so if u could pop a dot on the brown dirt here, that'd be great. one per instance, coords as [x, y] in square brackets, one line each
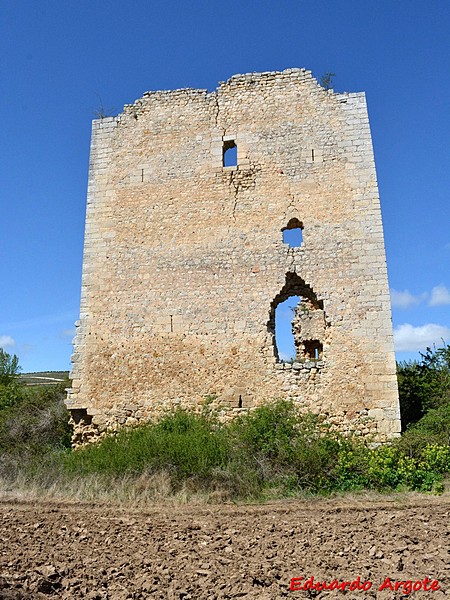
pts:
[62, 550]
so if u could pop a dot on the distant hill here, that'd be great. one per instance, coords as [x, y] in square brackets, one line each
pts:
[44, 377]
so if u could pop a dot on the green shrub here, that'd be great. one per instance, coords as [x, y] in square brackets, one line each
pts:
[33, 432]
[274, 451]
[268, 432]
[433, 428]
[436, 458]
[37, 421]
[424, 384]
[184, 444]
[437, 423]
[283, 448]
[389, 468]
[10, 394]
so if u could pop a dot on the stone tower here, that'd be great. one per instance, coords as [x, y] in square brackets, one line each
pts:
[185, 263]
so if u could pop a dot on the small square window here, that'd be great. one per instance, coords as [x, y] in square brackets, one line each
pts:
[313, 349]
[293, 233]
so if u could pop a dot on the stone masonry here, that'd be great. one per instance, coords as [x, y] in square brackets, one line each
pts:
[185, 263]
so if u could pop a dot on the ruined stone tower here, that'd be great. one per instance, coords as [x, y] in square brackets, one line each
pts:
[185, 260]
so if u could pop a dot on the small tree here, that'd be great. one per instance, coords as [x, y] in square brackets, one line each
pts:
[101, 112]
[436, 366]
[424, 384]
[412, 392]
[9, 367]
[9, 373]
[326, 81]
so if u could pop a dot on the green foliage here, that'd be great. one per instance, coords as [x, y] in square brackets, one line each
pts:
[412, 392]
[36, 422]
[10, 389]
[436, 422]
[9, 367]
[389, 468]
[433, 428]
[424, 384]
[9, 394]
[436, 367]
[184, 444]
[268, 431]
[284, 448]
[272, 451]
[419, 459]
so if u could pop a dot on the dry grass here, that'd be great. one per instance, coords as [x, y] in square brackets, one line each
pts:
[126, 490]
[150, 491]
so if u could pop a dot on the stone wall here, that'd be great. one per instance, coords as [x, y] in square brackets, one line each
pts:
[184, 260]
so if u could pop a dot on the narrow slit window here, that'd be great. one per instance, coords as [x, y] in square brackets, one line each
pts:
[229, 154]
[284, 338]
[293, 233]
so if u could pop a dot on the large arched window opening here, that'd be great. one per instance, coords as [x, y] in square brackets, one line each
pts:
[296, 322]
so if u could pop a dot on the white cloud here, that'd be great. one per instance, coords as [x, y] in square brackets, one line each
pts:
[408, 338]
[6, 341]
[404, 299]
[440, 295]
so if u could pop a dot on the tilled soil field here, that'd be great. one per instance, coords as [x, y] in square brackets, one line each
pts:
[61, 550]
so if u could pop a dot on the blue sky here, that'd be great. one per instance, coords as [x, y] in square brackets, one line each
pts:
[59, 58]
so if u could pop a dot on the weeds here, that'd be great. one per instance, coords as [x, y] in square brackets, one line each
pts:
[182, 444]
[273, 452]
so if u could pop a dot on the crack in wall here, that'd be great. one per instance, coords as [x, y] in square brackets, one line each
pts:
[241, 180]
[290, 206]
[235, 186]
[215, 98]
